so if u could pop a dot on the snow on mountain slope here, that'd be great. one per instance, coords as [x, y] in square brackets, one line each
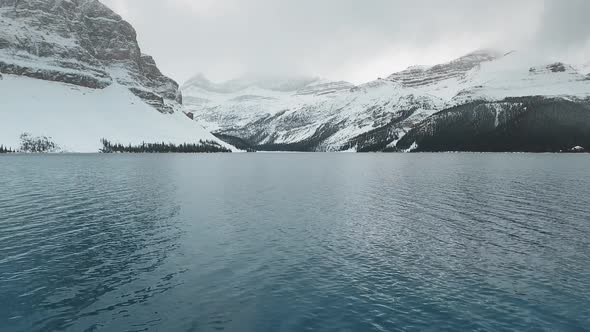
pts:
[383, 111]
[239, 102]
[80, 42]
[516, 75]
[73, 69]
[77, 118]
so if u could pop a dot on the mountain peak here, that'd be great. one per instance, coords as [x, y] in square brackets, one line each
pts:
[456, 69]
[485, 52]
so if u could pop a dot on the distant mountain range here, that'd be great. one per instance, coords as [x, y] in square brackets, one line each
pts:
[73, 70]
[483, 101]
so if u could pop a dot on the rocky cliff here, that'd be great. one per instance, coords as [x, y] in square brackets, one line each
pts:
[80, 42]
[72, 70]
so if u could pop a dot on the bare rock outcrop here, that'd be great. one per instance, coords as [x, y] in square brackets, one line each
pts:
[80, 42]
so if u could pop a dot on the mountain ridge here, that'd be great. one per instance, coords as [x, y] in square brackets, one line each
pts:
[85, 50]
[378, 114]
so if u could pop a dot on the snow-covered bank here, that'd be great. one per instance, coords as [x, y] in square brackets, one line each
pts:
[77, 117]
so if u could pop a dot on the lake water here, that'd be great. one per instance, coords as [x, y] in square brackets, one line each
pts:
[295, 242]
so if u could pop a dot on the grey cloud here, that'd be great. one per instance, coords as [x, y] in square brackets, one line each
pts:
[341, 39]
[565, 24]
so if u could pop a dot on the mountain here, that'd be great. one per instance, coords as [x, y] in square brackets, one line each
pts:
[73, 70]
[510, 95]
[242, 104]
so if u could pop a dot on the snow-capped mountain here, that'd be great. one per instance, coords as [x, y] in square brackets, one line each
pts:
[376, 116]
[73, 69]
[238, 103]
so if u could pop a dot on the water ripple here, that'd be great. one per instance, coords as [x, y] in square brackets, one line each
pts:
[294, 242]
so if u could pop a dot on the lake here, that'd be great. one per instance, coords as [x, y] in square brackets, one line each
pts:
[295, 242]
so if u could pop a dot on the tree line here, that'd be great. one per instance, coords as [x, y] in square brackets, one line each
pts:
[32, 144]
[201, 147]
[37, 144]
[4, 149]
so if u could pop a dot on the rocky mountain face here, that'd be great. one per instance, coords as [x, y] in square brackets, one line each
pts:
[80, 42]
[506, 95]
[457, 69]
[72, 71]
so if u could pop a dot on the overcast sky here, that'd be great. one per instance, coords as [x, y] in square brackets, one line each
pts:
[354, 40]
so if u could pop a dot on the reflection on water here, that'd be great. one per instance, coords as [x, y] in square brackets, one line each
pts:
[77, 229]
[292, 242]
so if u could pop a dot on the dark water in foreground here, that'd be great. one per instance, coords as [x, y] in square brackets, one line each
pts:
[295, 242]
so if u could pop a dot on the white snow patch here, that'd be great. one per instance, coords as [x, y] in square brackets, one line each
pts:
[77, 118]
[412, 147]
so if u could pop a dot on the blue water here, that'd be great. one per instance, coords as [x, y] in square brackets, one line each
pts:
[295, 242]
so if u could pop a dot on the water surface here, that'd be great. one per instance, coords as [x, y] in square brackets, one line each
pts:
[295, 242]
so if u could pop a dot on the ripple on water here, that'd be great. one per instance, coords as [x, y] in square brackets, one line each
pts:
[294, 242]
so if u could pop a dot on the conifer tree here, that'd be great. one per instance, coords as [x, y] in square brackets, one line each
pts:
[201, 147]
